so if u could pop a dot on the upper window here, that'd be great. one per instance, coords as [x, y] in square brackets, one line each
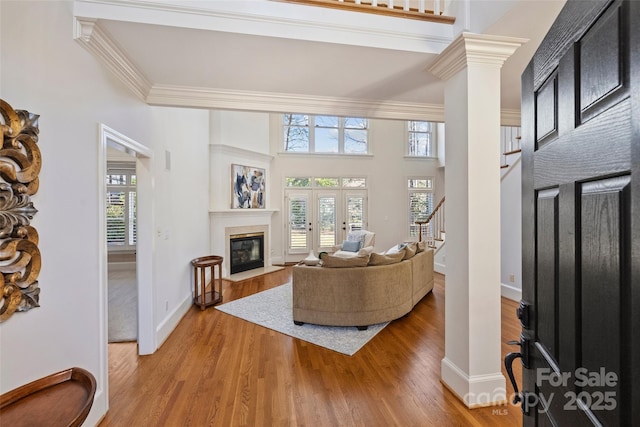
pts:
[325, 134]
[420, 139]
[324, 182]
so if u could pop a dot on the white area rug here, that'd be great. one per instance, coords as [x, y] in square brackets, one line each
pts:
[272, 309]
[123, 304]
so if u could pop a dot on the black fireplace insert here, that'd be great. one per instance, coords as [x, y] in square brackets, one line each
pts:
[247, 251]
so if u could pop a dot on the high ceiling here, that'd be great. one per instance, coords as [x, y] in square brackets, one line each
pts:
[176, 56]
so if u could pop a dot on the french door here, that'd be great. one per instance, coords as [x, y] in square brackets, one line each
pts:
[319, 219]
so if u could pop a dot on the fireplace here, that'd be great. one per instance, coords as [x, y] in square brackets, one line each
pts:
[246, 251]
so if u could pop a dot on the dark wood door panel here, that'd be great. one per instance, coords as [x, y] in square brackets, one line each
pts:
[581, 218]
[598, 148]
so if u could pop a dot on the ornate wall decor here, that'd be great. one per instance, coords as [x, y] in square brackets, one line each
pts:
[20, 163]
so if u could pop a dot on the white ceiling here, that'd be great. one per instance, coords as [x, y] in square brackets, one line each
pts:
[201, 58]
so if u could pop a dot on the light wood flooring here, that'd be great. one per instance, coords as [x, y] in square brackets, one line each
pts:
[219, 370]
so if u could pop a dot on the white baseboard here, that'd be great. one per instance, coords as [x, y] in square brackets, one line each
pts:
[475, 391]
[510, 292]
[98, 408]
[277, 260]
[439, 268]
[171, 321]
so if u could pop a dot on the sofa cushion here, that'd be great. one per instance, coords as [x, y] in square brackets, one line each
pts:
[422, 245]
[332, 261]
[410, 250]
[385, 259]
[351, 246]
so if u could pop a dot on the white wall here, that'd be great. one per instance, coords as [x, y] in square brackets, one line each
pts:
[387, 171]
[45, 71]
[511, 233]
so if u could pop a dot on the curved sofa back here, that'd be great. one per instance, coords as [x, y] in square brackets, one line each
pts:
[360, 296]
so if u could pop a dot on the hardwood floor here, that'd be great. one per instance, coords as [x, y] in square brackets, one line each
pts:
[218, 370]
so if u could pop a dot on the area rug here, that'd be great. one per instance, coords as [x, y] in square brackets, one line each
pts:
[272, 309]
[123, 305]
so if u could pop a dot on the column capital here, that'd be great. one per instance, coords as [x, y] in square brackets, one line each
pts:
[471, 48]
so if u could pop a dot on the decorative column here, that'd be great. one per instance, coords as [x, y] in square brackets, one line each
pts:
[471, 367]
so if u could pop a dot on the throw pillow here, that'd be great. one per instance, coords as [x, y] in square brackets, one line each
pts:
[410, 250]
[351, 246]
[331, 261]
[380, 259]
[422, 245]
[356, 236]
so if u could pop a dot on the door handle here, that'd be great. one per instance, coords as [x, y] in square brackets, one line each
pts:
[508, 364]
[527, 399]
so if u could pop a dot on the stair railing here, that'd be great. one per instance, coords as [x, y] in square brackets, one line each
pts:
[434, 225]
[431, 10]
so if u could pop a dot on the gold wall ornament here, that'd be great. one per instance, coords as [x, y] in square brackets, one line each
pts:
[20, 163]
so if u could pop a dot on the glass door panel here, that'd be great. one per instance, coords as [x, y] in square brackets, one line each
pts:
[327, 222]
[298, 227]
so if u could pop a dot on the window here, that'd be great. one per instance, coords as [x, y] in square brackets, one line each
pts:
[325, 182]
[420, 202]
[121, 205]
[304, 133]
[420, 139]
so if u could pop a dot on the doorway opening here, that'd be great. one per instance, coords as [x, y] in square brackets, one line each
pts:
[141, 227]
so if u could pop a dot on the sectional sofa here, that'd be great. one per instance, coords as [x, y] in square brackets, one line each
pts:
[361, 296]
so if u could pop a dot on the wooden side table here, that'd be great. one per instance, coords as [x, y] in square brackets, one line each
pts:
[213, 296]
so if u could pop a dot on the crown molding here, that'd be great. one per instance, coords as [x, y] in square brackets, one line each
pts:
[195, 97]
[267, 18]
[92, 37]
[470, 48]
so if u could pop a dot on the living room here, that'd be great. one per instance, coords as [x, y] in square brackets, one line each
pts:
[46, 71]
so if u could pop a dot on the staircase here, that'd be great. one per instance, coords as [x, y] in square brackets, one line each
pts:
[510, 147]
[432, 232]
[432, 229]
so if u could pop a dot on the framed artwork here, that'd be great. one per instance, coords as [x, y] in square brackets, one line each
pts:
[247, 187]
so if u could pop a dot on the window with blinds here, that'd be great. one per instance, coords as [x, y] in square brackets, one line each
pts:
[121, 206]
[420, 202]
[298, 238]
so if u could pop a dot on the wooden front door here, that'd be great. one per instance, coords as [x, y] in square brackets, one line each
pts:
[580, 315]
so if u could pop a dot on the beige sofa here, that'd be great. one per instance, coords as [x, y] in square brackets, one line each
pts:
[360, 296]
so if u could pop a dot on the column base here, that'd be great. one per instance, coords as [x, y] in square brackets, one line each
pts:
[475, 391]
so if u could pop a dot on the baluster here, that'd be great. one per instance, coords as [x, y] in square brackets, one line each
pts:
[358, 1]
[406, 5]
[436, 7]
[374, 3]
[390, 4]
[421, 6]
